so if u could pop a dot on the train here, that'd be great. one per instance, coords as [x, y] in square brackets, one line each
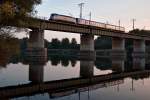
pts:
[70, 19]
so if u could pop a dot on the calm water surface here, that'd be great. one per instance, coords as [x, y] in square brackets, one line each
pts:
[17, 73]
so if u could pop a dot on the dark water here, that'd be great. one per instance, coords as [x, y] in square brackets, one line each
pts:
[73, 79]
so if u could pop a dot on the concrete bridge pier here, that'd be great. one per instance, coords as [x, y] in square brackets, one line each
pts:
[86, 68]
[87, 50]
[118, 47]
[139, 48]
[36, 44]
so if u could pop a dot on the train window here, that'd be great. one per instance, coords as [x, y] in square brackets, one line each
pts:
[82, 21]
[98, 24]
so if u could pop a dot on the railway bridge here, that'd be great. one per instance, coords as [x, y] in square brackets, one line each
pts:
[36, 37]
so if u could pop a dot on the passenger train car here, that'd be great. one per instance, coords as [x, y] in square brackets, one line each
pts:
[63, 18]
[70, 19]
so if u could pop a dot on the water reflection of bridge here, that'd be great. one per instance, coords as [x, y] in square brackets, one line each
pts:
[86, 81]
[100, 63]
[68, 86]
[114, 64]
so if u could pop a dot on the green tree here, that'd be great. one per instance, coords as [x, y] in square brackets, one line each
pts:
[73, 43]
[55, 44]
[140, 32]
[65, 62]
[15, 12]
[103, 42]
[65, 43]
[12, 11]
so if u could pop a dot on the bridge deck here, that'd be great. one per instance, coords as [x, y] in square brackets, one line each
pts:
[35, 23]
[77, 28]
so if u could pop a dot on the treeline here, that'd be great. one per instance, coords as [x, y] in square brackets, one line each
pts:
[63, 44]
[140, 32]
[102, 42]
[55, 43]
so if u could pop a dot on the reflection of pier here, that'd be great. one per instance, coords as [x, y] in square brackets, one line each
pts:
[84, 88]
[139, 63]
[36, 66]
[36, 73]
[53, 86]
[118, 64]
[86, 69]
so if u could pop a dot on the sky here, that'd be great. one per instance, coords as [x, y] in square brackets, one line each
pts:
[110, 11]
